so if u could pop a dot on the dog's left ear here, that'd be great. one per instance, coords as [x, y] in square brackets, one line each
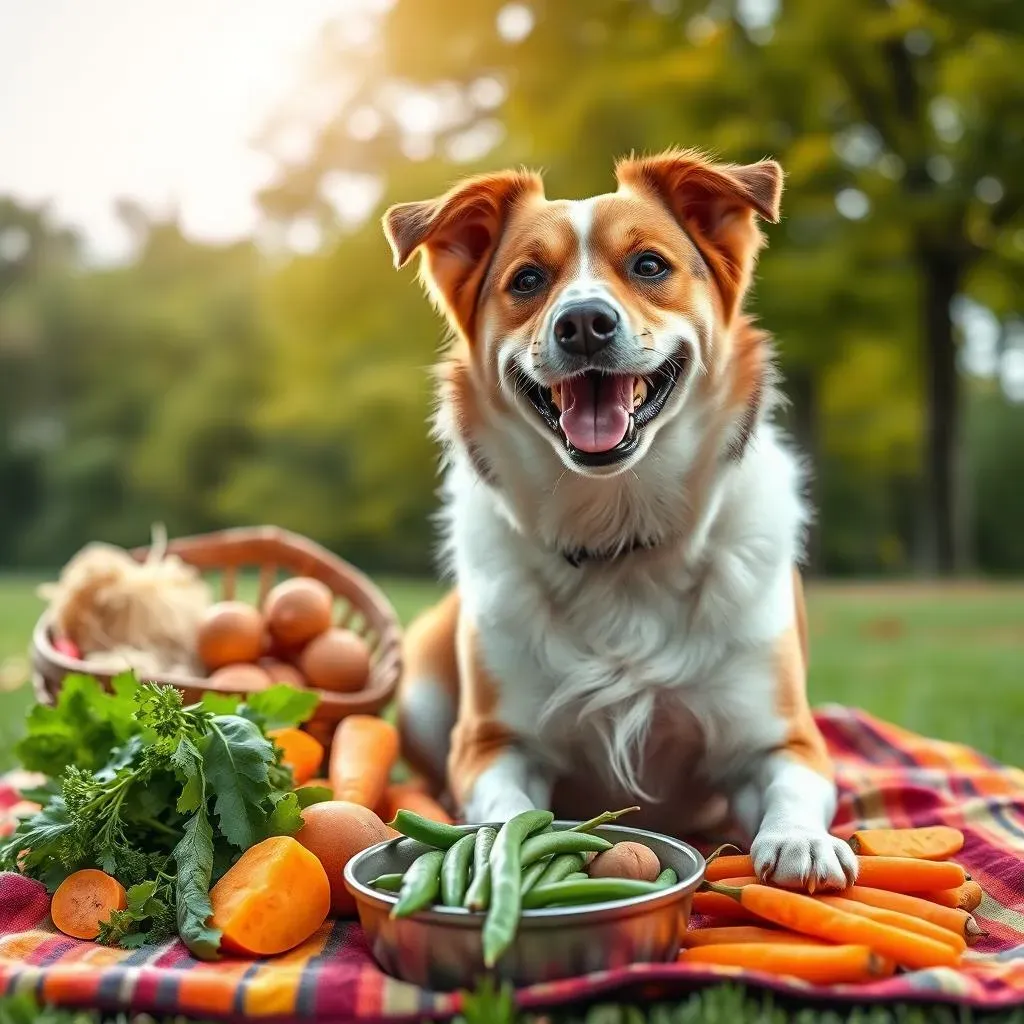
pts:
[457, 234]
[717, 204]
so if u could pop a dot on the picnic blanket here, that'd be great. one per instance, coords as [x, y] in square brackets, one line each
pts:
[887, 777]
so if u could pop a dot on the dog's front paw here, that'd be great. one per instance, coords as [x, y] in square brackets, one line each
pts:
[803, 858]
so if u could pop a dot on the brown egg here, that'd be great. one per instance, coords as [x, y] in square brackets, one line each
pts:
[241, 678]
[282, 672]
[626, 860]
[336, 660]
[231, 632]
[298, 610]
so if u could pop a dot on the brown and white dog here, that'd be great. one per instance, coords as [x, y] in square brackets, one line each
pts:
[621, 516]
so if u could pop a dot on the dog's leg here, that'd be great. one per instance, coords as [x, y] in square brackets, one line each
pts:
[790, 803]
[490, 772]
[429, 692]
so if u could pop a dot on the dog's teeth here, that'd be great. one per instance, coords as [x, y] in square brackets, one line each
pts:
[556, 396]
[639, 392]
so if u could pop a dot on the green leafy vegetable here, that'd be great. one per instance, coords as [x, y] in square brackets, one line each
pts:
[161, 796]
[307, 795]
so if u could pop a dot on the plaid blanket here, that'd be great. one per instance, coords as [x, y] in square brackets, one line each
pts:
[888, 777]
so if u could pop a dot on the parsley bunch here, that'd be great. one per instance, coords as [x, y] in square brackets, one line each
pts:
[161, 796]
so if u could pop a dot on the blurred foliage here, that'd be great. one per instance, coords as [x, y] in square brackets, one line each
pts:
[209, 386]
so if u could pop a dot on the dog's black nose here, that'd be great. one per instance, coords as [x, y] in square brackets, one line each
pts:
[586, 327]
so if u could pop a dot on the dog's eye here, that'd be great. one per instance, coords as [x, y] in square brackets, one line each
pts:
[648, 265]
[527, 281]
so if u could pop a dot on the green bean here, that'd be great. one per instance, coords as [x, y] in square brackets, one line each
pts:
[575, 876]
[506, 877]
[560, 867]
[532, 875]
[455, 871]
[666, 878]
[389, 883]
[432, 833]
[479, 894]
[562, 842]
[589, 890]
[420, 884]
[604, 818]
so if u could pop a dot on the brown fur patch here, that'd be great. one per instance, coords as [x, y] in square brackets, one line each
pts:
[478, 738]
[717, 204]
[804, 741]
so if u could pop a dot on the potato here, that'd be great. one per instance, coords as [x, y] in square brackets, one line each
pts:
[335, 831]
[626, 860]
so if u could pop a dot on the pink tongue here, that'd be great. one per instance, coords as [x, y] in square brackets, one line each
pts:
[596, 410]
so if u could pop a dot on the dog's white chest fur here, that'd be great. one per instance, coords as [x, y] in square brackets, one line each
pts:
[594, 658]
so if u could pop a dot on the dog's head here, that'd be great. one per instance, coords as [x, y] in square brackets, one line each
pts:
[585, 325]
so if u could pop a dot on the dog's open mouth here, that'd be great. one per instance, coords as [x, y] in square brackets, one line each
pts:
[599, 416]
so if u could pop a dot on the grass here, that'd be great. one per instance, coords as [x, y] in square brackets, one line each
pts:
[944, 661]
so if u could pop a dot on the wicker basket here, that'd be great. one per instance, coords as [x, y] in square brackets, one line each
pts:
[275, 554]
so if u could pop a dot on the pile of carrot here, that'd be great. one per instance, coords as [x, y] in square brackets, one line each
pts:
[364, 753]
[911, 909]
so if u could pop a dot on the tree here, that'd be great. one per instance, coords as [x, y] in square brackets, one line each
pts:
[900, 122]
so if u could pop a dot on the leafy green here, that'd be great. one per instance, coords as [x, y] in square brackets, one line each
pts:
[236, 757]
[161, 796]
[194, 858]
[307, 795]
[279, 707]
[81, 728]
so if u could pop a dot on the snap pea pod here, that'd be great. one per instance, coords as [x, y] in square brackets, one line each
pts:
[455, 870]
[575, 876]
[389, 883]
[604, 818]
[479, 894]
[420, 884]
[532, 874]
[433, 833]
[666, 878]
[561, 867]
[550, 843]
[506, 877]
[588, 890]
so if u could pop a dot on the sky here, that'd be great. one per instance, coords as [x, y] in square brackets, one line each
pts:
[157, 100]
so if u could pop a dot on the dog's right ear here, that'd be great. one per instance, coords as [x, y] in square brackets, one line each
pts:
[457, 234]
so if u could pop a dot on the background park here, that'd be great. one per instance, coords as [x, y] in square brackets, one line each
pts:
[200, 324]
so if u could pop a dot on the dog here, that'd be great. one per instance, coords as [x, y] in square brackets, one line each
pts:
[622, 517]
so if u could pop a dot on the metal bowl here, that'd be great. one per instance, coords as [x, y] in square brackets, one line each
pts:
[441, 949]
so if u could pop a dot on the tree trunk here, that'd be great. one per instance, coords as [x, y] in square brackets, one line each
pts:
[941, 276]
[802, 389]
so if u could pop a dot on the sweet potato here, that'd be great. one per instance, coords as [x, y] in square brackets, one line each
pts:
[271, 899]
[302, 753]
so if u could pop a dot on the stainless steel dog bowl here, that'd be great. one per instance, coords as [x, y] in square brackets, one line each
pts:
[440, 948]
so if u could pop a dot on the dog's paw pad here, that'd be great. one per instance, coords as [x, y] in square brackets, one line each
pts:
[803, 859]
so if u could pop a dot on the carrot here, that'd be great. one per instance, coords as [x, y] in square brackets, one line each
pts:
[971, 895]
[713, 904]
[409, 797]
[809, 916]
[939, 842]
[271, 899]
[958, 921]
[902, 874]
[820, 965]
[734, 934]
[720, 868]
[898, 920]
[84, 900]
[364, 752]
[301, 752]
[740, 880]
[965, 897]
